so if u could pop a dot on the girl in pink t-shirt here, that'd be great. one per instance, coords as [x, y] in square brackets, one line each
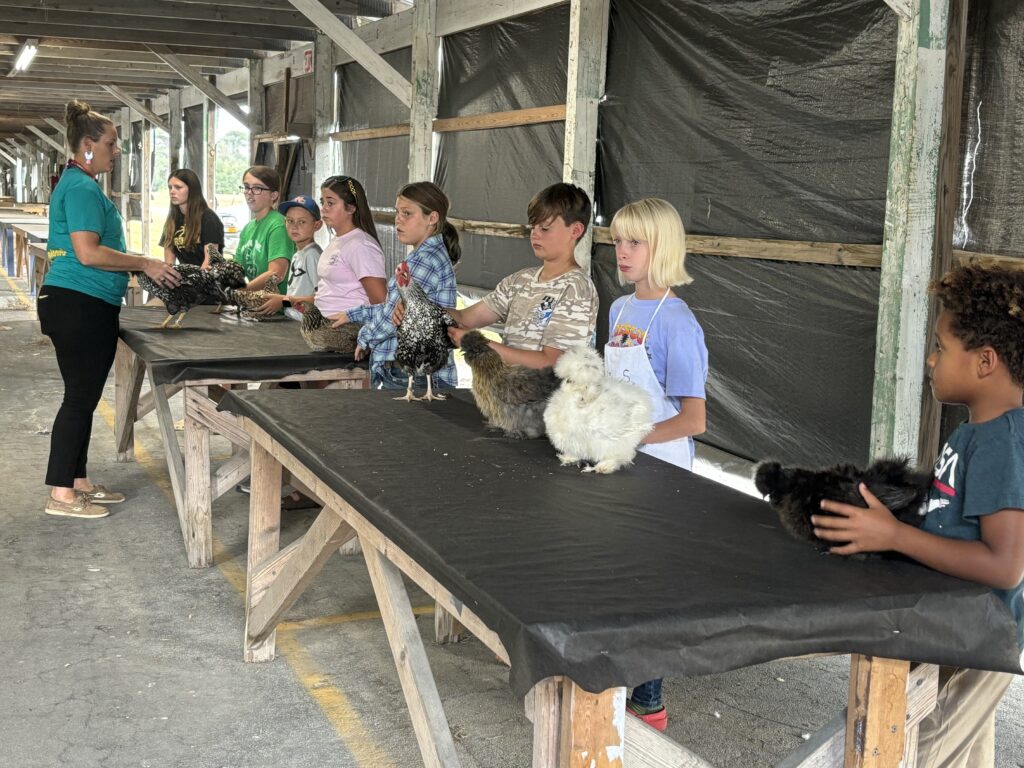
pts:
[351, 267]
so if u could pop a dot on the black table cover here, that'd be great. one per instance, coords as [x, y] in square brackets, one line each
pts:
[614, 580]
[209, 346]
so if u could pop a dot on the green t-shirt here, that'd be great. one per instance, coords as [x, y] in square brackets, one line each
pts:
[260, 243]
[79, 205]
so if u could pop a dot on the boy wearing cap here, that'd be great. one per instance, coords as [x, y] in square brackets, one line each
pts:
[302, 220]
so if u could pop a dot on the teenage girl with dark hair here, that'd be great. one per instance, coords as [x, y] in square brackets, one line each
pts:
[79, 303]
[191, 226]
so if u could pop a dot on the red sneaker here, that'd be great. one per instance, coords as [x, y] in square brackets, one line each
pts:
[657, 720]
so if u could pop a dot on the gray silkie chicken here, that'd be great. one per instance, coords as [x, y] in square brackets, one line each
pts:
[423, 343]
[511, 397]
[796, 493]
[321, 337]
[198, 286]
[247, 302]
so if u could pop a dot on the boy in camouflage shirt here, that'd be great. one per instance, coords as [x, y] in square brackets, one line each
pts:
[548, 309]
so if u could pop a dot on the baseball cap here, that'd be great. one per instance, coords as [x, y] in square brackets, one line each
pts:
[302, 201]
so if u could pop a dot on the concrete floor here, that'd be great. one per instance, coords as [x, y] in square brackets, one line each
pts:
[118, 655]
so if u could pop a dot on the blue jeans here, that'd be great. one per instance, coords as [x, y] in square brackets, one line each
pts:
[648, 695]
[393, 377]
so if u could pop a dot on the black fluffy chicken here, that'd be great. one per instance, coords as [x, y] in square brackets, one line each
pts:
[511, 397]
[197, 286]
[321, 337]
[423, 343]
[796, 493]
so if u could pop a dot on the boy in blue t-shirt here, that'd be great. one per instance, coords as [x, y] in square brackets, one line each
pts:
[974, 526]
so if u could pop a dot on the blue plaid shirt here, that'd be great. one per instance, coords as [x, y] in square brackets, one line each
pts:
[431, 268]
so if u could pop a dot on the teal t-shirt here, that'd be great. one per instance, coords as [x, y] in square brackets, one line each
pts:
[980, 471]
[79, 205]
[261, 242]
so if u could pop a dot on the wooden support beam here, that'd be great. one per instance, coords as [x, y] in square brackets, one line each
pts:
[423, 109]
[910, 215]
[174, 119]
[128, 375]
[324, 111]
[59, 127]
[147, 187]
[210, 143]
[946, 205]
[125, 131]
[402, 129]
[257, 104]
[422, 699]
[363, 54]
[264, 535]
[9, 159]
[129, 101]
[593, 728]
[902, 8]
[877, 712]
[588, 51]
[212, 92]
[47, 138]
[530, 116]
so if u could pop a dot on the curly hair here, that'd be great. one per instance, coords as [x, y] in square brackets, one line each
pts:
[987, 307]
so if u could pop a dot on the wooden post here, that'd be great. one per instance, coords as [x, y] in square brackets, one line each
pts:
[423, 109]
[324, 111]
[593, 728]
[147, 183]
[545, 709]
[122, 178]
[588, 52]
[264, 534]
[257, 105]
[196, 516]
[174, 123]
[910, 215]
[210, 142]
[946, 207]
[877, 712]
[128, 374]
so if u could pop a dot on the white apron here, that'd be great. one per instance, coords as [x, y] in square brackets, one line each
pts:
[632, 364]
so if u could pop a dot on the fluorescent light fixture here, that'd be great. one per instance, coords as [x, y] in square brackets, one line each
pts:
[244, 108]
[28, 51]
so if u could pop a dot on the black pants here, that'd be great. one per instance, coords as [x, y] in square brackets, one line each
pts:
[83, 330]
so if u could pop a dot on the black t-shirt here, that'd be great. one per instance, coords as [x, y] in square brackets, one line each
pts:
[212, 231]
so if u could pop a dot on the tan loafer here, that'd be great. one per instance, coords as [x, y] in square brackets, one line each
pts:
[80, 507]
[102, 495]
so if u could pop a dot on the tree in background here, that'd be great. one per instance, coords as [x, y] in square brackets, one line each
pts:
[232, 160]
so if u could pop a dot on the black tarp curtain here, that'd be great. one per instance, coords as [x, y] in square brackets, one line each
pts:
[755, 118]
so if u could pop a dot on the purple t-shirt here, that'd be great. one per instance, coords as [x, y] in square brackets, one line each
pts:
[675, 343]
[345, 261]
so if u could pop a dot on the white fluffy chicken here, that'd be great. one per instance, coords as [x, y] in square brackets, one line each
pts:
[593, 417]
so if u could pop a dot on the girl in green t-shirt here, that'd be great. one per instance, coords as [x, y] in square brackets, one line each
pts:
[264, 248]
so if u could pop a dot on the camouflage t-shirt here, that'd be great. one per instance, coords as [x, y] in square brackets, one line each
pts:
[559, 313]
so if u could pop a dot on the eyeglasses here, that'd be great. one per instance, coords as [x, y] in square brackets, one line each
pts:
[255, 190]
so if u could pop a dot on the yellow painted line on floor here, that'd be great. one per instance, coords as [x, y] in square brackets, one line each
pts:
[345, 618]
[335, 705]
[22, 296]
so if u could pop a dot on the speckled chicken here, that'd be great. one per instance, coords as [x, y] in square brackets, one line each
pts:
[198, 286]
[247, 302]
[796, 493]
[511, 397]
[423, 343]
[321, 337]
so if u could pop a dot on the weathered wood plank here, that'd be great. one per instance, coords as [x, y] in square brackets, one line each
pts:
[128, 374]
[877, 712]
[264, 537]
[172, 451]
[289, 578]
[593, 728]
[423, 107]
[421, 697]
[197, 515]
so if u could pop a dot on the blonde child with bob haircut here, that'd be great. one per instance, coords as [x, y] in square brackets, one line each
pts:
[656, 343]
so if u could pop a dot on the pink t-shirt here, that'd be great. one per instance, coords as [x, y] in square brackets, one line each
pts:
[345, 261]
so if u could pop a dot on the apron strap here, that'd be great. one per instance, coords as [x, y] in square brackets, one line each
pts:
[649, 324]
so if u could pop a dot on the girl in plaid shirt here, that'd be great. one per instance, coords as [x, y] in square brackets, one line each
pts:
[421, 221]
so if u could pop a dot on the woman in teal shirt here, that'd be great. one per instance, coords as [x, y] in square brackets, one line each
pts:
[264, 248]
[79, 303]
